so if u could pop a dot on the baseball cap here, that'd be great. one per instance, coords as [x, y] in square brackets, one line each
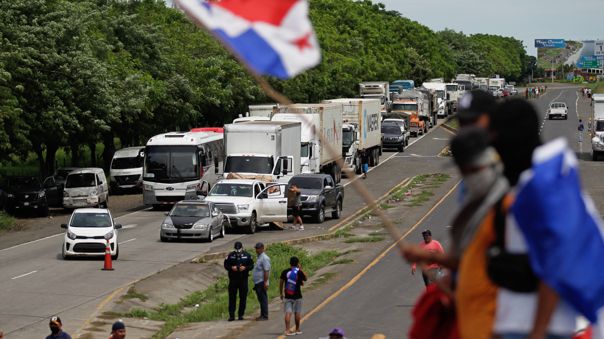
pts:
[473, 104]
[238, 245]
[55, 321]
[427, 232]
[259, 245]
[118, 325]
[337, 331]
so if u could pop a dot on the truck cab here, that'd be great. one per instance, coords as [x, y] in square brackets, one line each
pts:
[597, 126]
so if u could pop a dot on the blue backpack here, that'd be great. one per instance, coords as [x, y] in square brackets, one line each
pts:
[292, 278]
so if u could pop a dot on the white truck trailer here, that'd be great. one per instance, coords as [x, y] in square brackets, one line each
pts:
[440, 91]
[263, 150]
[361, 131]
[376, 90]
[597, 126]
[324, 118]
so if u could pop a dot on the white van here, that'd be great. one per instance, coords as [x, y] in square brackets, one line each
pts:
[86, 187]
[126, 171]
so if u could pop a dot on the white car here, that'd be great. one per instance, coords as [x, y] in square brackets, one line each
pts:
[87, 233]
[557, 110]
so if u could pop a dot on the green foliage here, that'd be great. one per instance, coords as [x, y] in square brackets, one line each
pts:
[77, 73]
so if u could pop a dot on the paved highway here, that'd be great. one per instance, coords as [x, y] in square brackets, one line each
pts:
[36, 283]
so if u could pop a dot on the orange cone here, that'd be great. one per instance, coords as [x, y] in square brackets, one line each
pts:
[108, 265]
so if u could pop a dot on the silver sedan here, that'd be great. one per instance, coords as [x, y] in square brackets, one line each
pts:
[193, 219]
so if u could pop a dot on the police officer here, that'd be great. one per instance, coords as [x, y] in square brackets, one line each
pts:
[238, 263]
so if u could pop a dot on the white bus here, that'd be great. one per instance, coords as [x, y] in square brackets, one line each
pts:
[178, 164]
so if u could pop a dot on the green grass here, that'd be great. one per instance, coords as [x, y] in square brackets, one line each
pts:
[343, 232]
[385, 206]
[364, 239]
[453, 123]
[7, 222]
[214, 300]
[322, 279]
[419, 199]
[134, 294]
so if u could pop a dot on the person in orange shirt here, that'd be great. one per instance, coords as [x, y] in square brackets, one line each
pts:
[432, 269]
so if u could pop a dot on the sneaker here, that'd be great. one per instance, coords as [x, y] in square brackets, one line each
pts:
[240, 318]
[289, 334]
[298, 332]
[261, 318]
[301, 228]
[231, 318]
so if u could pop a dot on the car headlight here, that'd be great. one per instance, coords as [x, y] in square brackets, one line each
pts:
[147, 187]
[42, 194]
[200, 226]
[95, 192]
[191, 187]
[243, 207]
[167, 224]
[109, 235]
[10, 195]
[71, 235]
[312, 198]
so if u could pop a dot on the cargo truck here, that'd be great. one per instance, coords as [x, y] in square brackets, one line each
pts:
[376, 90]
[361, 131]
[597, 126]
[482, 83]
[264, 150]
[440, 91]
[324, 118]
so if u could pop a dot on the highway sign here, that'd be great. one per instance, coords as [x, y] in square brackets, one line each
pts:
[550, 43]
[599, 48]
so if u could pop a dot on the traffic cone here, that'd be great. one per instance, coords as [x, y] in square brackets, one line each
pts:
[108, 265]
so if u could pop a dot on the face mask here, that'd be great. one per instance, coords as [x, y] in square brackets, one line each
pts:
[478, 184]
[54, 330]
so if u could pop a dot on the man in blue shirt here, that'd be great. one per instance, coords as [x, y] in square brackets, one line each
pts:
[260, 277]
[56, 329]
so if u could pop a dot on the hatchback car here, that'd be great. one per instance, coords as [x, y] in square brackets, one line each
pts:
[87, 233]
[193, 219]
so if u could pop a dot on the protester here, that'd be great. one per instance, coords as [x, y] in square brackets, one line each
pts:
[118, 330]
[364, 163]
[524, 314]
[260, 276]
[472, 233]
[238, 263]
[290, 291]
[580, 129]
[336, 333]
[474, 109]
[56, 329]
[432, 270]
[294, 202]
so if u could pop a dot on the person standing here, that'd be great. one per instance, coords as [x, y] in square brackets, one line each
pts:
[118, 330]
[290, 291]
[580, 129]
[238, 263]
[432, 269]
[294, 201]
[364, 163]
[260, 276]
[56, 329]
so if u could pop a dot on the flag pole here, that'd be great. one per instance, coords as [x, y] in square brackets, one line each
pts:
[283, 100]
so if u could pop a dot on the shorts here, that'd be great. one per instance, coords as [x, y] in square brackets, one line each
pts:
[365, 168]
[292, 305]
[295, 210]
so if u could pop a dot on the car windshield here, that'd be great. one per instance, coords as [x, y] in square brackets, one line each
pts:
[61, 174]
[404, 107]
[80, 180]
[190, 210]
[599, 126]
[452, 88]
[123, 163]
[558, 105]
[232, 190]
[391, 129]
[347, 138]
[246, 164]
[91, 220]
[25, 182]
[307, 183]
[171, 163]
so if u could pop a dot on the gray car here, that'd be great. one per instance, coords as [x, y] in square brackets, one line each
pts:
[193, 219]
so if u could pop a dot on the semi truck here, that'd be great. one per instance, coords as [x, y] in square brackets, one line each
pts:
[264, 150]
[361, 131]
[453, 95]
[440, 91]
[376, 90]
[482, 83]
[597, 126]
[325, 118]
[412, 105]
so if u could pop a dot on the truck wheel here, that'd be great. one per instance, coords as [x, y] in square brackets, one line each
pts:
[401, 148]
[163, 239]
[251, 229]
[357, 167]
[117, 253]
[320, 216]
[337, 213]
[594, 156]
[377, 157]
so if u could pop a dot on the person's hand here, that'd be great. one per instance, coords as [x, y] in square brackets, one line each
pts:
[234, 268]
[412, 270]
[242, 268]
[266, 285]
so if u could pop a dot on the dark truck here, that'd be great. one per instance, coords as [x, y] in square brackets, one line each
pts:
[319, 193]
[29, 194]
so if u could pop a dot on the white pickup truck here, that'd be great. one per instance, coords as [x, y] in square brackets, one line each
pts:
[250, 203]
[557, 110]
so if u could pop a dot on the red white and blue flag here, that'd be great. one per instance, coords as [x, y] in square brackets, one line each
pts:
[273, 37]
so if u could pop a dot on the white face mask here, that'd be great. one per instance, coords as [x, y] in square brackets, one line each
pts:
[478, 184]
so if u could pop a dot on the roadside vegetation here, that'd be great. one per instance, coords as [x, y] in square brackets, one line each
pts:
[597, 87]
[79, 79]
[7, 222]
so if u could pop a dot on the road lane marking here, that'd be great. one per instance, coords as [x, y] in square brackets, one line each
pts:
[129, 226]
[101, 305]
[127, 241]
[375, 261]
[23, 275]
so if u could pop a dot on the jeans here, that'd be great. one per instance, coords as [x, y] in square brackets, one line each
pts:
[524, 336]
[262, 299]
[234, 287]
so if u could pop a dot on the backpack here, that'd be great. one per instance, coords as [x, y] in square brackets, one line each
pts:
[290, 284]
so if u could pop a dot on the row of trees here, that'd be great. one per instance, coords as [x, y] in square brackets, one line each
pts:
[76, 73]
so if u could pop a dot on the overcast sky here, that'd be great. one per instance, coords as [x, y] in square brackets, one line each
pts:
[525, 20]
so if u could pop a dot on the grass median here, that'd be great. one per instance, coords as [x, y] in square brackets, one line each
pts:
[212, 303]
[7, 222]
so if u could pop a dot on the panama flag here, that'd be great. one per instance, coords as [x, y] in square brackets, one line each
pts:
[273, 37]
[563, 230]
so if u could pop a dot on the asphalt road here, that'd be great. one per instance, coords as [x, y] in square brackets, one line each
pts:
[36, 283]
[382, 299]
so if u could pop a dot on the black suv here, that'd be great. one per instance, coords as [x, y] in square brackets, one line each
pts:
[29, 194]
[319, 193]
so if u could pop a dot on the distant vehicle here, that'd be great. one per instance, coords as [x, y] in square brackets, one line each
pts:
[403, 124]
[597, 126]
[319, 194]
[376, 90]
[87, 233]
[557, 110]
[126, 170]
[249, 203]
[511, 89]
[250, 118]
[86, 187]
[60, 175]
[28, 194]
[406, 85]
[193, 219]
[393, 137]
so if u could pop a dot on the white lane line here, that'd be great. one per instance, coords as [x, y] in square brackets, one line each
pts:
[23, 275]
[129, 226]
[545, 117]
[127, 241]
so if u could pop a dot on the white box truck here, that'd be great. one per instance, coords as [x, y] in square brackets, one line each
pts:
[597, 126]
[126, 170]
[324, 118]
[440, 91]
[376, 90]
[263, 150]
[361, 131]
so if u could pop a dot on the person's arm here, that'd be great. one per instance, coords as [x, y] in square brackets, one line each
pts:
[267, 269]
[281, 283]
[547, 300]
[227, 264]
[415, 254]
